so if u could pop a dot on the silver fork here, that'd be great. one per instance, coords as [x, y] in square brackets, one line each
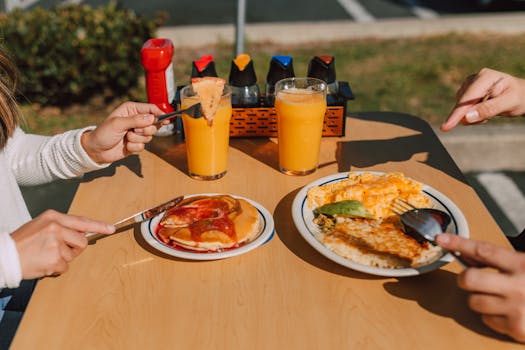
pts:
[194, 111]
[422, 225]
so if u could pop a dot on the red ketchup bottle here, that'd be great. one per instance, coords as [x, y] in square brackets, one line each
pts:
[156, 58]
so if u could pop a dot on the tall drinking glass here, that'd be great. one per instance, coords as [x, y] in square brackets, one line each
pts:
[207, 146]
[301, 106]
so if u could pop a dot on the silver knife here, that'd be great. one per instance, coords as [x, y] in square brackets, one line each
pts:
[139, 217]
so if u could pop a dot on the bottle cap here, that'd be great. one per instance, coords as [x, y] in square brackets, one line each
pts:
[322, 67]
[242, 72]
[280, 67]
[204, 67]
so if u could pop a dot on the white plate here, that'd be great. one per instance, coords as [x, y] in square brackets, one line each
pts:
[267, 228]
[303, 218]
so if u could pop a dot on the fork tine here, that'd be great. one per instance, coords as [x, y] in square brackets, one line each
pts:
[396, 210]
[197, 110]
[404, 203]
[399, 206]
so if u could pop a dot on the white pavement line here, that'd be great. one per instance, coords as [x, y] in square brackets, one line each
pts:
[507, 195]
[23, 4]
[420, 11]
[424, 13]
[356, 10]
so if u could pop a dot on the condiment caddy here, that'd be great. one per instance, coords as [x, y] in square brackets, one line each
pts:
[253, 114]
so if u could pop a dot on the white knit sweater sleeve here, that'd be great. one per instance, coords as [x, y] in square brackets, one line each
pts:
[34, 160]
[39, 159]
[10, 272]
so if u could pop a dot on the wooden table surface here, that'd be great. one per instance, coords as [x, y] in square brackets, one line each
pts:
[123, 294]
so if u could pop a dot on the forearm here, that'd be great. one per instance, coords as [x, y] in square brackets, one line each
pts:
[38, 159]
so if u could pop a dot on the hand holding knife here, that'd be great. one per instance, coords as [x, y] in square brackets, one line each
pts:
[136, 218]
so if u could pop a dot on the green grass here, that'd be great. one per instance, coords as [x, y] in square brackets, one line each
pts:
[418, 76]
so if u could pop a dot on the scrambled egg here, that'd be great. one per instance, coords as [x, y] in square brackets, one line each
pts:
[375, 192]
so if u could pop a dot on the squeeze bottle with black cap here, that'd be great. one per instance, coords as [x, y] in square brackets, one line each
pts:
[243, 82]
[280, 67]
[323, 67]
[203, 67]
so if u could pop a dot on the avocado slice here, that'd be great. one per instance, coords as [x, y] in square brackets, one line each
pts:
[351, 208]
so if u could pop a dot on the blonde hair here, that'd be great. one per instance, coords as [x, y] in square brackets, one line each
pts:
[10, 114]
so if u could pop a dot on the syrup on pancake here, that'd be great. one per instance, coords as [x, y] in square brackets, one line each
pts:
[209, 223]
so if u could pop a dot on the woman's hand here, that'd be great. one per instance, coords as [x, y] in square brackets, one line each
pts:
[485, 95]
[124, 132]
[499, 296]
[48, 243]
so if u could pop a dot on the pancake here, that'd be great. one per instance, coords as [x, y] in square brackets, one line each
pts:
[210, 223]
[209, 90]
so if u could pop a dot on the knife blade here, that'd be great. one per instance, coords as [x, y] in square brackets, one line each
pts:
[138, 217]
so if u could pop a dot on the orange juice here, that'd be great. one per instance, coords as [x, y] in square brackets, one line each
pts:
[300, 114]
[207, 146]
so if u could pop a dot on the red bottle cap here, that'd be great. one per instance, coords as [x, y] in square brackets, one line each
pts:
[156, 54]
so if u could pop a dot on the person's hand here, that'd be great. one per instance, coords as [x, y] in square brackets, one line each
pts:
[499, 296]
[485, 95]
[125, 131]
[49, 242]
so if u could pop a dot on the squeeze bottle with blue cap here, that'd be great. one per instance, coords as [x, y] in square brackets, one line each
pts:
[204, 67]
[281, 67]
[323, 67]
[243, 82]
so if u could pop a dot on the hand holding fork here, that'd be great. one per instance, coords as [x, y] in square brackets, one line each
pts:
[422, 224]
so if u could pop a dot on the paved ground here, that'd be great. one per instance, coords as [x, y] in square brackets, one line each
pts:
[188, 12]
[487, 147]
[305, 32]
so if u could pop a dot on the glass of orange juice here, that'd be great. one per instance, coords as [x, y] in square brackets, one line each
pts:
[207, 145]
[301, 105]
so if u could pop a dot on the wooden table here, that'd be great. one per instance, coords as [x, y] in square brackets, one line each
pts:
[122, 294]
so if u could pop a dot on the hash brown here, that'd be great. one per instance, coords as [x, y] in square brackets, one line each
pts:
[378, 242]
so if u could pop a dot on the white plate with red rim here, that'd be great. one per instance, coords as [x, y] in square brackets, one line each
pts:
[303, 218]
[148, 229]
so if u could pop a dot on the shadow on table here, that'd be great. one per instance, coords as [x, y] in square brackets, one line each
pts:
[132, 162]
[58, 195]
[367, 153]
[422, 289]
[260, 148]
[359, 154]
[285, 229]
[171, 149]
